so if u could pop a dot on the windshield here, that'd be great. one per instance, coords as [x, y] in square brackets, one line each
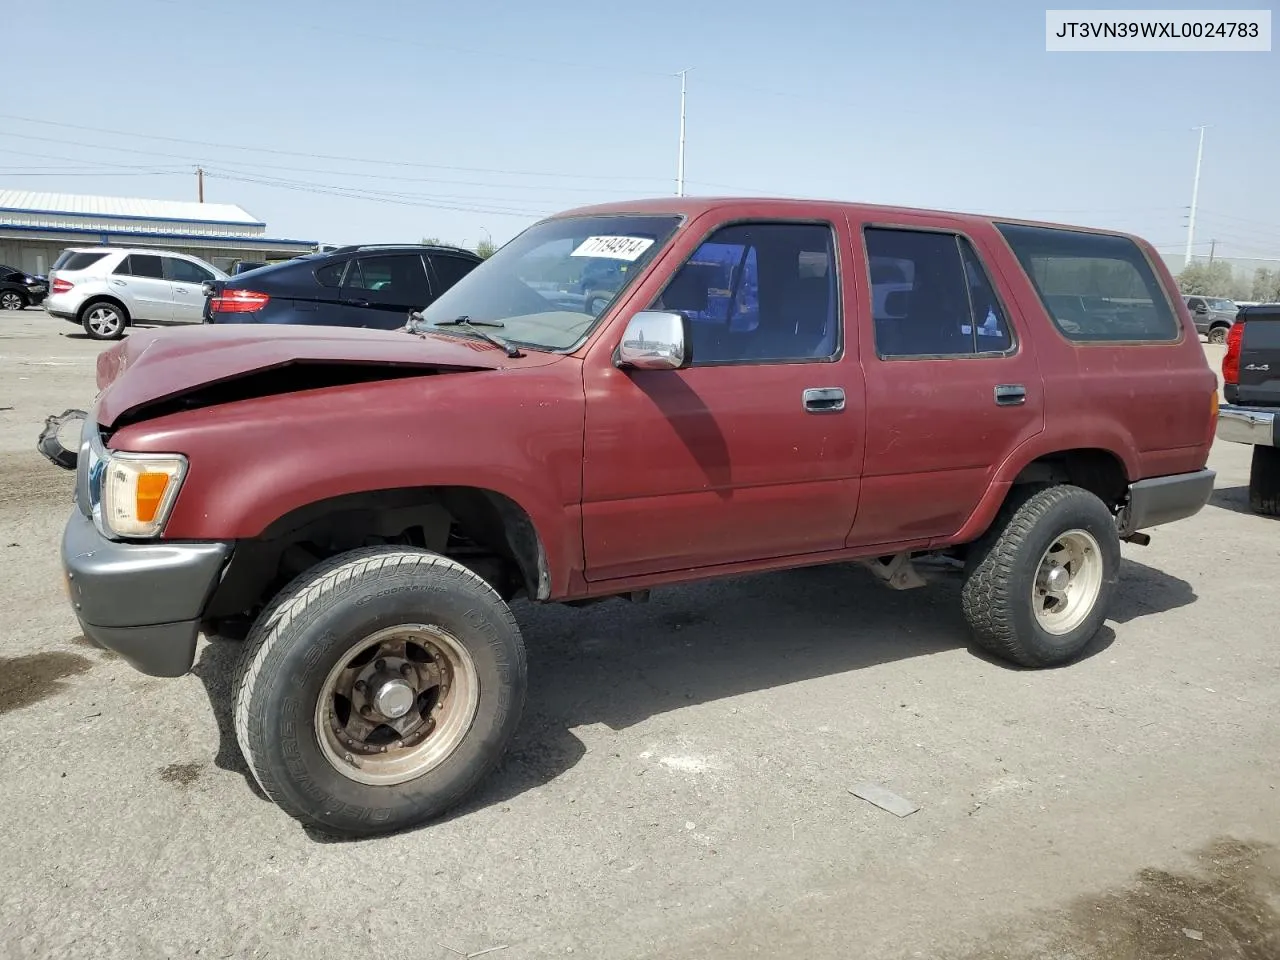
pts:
[548, 286]
[1221, 305]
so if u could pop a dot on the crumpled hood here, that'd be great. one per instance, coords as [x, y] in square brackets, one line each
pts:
[152, 366]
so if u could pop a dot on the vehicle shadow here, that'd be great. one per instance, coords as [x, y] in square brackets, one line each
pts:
[1235, 499]
[619, 663]
[216, 669]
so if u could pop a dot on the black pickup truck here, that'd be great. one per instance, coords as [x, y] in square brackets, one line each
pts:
[1251, 385]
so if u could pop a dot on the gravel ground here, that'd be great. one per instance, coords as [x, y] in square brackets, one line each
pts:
[680, 785]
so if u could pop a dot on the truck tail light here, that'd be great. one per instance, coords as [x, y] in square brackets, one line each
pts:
[62, 286]
[238, 301]
[1231, 360]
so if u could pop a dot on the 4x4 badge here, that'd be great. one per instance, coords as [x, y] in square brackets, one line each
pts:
[1259, 367]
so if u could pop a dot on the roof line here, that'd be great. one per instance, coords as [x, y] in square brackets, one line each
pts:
[125, 216]
[219, 237]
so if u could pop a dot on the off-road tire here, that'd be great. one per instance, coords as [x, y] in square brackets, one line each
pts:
[311, 624]
[1002, 568]
[115, 331]
[1218, 334]
[12, 300]
[1264, 481]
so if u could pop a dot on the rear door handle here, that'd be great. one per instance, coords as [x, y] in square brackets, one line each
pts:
[356, 303]
[824, 399]
[1010, 394]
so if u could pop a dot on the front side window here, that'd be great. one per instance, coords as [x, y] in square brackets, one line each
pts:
[1094, 286]
[449, 270]
[757, 292]
[184, 271]
[141, 265]
[550, 285]
[931, 296]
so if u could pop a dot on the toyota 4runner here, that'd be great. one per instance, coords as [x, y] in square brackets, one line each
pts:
[360, 507]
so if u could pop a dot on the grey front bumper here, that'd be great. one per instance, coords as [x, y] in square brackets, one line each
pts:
[1252, 425]
[1162, 500]
[142, 600]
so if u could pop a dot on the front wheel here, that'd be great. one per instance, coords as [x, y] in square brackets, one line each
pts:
[1218, 335]
[1040, 582]
[12, 300]
[378, 689]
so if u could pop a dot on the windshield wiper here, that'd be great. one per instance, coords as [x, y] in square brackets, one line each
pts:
[474, 326]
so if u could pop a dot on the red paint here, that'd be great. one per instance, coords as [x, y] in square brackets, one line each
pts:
[638, 478]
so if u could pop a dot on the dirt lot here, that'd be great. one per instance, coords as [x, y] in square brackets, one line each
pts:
[680, 786]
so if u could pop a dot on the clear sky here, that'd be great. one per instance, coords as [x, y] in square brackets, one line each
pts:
[389, 121]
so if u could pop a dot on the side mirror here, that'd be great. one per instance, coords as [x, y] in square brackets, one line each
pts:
[655, 340]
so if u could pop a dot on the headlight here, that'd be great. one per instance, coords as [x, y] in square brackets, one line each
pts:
[138, 490]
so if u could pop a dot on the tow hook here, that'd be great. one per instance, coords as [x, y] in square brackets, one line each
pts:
[51, 443]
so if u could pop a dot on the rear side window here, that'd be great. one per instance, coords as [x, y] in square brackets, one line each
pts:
[398, 279]
[931, 296]
[449, 270]
[76, 261]
[1095, 287]
[141, 265]
[330, 275]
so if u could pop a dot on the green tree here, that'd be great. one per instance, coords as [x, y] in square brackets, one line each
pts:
[485, 249]
[1266, 286]
[432, 242]
[1206, 279]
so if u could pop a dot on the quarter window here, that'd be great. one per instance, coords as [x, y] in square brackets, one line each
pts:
[931, 297]
[330, 275]
[1094, 286]
[757, 292]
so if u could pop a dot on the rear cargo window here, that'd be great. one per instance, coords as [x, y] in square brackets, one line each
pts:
[1095, 287]
[76, 261]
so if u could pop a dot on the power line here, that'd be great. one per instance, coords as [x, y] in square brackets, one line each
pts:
[291, 153]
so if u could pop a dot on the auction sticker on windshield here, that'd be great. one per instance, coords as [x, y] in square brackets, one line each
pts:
[613, 248]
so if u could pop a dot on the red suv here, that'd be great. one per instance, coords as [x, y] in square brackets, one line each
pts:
[771, 384]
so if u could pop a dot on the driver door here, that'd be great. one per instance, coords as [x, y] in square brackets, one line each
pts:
[735, 458]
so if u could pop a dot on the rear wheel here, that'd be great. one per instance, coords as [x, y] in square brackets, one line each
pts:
[12, 300]
[103, 321]
[1040, 582]
[378, 689]
[1218, 334]
[1264, 481]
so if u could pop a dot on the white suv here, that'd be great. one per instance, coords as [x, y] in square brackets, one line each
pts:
[107, 288]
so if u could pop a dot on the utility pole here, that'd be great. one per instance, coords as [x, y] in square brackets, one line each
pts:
[1195, 196]
[200, 183]
[680, 164]
[1213, 245]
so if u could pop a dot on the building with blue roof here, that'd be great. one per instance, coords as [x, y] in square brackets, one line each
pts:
[35, 227]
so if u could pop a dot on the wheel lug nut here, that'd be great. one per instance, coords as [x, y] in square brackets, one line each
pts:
[380, 665]
[366, 711]
[360, 686]
[406, 669]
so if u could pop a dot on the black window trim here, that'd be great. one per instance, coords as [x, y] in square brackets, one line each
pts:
[1014, 347]
[1035, 288]
[838, 353]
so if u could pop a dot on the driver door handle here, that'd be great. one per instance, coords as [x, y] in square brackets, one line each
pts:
[824, 399]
